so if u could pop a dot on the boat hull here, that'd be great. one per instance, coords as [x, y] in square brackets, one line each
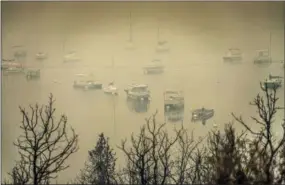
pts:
[232, 59]
[110, 91]
[33, 76]
[153, 70]
[15, 71]
[141, 97]
[88, 87]
[272, 85]
[204, 116]
[262, 61]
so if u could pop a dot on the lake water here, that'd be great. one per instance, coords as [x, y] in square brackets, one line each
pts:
[193, 64]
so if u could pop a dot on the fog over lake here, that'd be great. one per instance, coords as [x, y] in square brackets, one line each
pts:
[198, 36]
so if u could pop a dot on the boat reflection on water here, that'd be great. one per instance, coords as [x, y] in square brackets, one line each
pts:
[139, 106]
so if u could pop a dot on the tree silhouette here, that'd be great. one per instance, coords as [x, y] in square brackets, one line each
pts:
[265, 145]
[43, 146]
[100, 168]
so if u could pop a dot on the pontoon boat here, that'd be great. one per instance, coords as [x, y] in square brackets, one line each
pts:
[233, 55]
[138, 92]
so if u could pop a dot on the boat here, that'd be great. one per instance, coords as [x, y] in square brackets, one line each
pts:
[138, 92]
[262, 57]
[162, 45]
[272, 83]
[20, 52]
[8, 63]
[13, 70]
[173, 101]
[71, 57]
[33, 74]
[8, 60]
[156, 67]
[111, 89]
[41, 55]
[202, 115]
[86, 82]
[233, 55]
[275, 77]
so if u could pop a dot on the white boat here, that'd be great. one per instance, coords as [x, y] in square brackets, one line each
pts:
[111, 89]
[262, 57]
[41, 55]
[155, 67]
[71, 57]
[162, 45]
[86, 82]
[233, 55]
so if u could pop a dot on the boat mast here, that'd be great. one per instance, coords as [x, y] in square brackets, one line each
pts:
[270, 45]
[158, 30]
[63, 45]
[131, 28]
[114, 103]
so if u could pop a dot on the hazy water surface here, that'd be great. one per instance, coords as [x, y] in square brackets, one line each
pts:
[198, 35]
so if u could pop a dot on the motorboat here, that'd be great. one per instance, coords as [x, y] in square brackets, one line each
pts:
[13, 70]
[272, 83]
[8, 60]
[262, 57]
[275, 77]
[71, 57]
[111, 89]
[233, 55]
[173, 101]
[8, 63]
[33, 74]
[202, 115]
[162, 46]
[155, 67]
[138, 92]
[41, 55]
[86, 82]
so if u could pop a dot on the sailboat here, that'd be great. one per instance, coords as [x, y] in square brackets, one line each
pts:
[70, 57]
[264, 56]
[40, 55]
[111, 88]
[130, 44]
[162, 45]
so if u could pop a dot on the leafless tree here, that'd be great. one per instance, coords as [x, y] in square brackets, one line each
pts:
[20, 174]
[266, 145]
[44, 145]
[184, 171]
[150, 154]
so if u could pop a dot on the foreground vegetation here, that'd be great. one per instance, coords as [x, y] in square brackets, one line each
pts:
[153, 156]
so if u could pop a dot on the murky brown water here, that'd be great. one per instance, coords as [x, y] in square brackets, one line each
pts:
[198, 35]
